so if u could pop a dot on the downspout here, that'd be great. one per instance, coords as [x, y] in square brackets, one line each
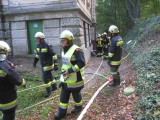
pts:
[93, 5]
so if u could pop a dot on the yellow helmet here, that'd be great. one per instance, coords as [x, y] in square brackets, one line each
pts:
[4, 47]
[113, 29]
[66, 34]
[39, 35]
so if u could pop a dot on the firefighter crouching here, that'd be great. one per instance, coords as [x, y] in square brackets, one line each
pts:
[99, 46]
[72, 77]
[9, 78]
[48, 59]
[115, 53]
[105, 45]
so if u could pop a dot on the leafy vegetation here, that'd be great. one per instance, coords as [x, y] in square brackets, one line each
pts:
[138, 20]
[124, 13]
[147, 52]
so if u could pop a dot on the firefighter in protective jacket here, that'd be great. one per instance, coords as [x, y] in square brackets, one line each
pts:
[48, 59]
[115, 53]
[99, 46]
[72, 78]
[105, 45]
[9, 78]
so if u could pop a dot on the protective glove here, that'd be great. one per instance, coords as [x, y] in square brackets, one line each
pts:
[24, 84]
[65, 72]
[55, 68]
[35, 61]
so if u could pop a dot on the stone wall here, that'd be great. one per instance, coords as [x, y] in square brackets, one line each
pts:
[1, 30]
[85, 6]
[74, 15]
[19, 38]
[52, 30]
[5, 34]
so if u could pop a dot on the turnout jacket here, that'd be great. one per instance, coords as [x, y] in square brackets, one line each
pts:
[46, 55]
[75, 66]
[115, 50]
[106, 42]
[99, 42]
[9, 78]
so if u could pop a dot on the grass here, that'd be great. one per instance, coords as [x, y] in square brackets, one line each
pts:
[31, 97]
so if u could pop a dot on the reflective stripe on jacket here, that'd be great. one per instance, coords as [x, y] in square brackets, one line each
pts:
[8, 105]
[8, 79]
[99, 42]
[71, 79]
[47, 56]
[115, 50]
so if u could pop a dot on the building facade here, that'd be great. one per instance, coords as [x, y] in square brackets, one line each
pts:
[21, 19]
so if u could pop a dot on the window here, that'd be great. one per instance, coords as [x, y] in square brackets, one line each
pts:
[85, 37]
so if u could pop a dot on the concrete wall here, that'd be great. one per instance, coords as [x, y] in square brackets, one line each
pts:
[56, 15]
[25, 2]
[51, 30]
[85, 6]
[22, 2]
[19, 38]
[1, 30]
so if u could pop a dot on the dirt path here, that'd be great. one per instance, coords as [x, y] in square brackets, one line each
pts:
[111, 103]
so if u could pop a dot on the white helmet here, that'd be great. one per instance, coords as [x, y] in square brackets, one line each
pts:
[39, 35]
[99, 35]
[113, 29]
[104, 33]
[4, 47]
[67, 35]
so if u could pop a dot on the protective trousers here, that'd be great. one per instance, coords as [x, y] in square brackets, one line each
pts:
[49, 82]
[9, 114]
[99, 51]
[64, 99]
[105, 54]
[115, 75]
[77, 97]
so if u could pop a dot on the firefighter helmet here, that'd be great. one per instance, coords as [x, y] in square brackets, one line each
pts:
[66, 34]
[4, 47]
[104, 33]
[113, 29]
[39, 35]
[99, 35]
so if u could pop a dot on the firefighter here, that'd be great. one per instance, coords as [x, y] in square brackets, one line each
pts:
[72, 77]
[48, 59]
[9, 78]
[99, 45]
[114, 55]
[105, 45]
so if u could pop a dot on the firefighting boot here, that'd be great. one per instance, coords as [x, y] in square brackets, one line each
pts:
[112, 83]
[61, 113]
[98, 54]
[105, 57]
[48, 91]
[54, 86]
[76, 109]
[116, 80]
